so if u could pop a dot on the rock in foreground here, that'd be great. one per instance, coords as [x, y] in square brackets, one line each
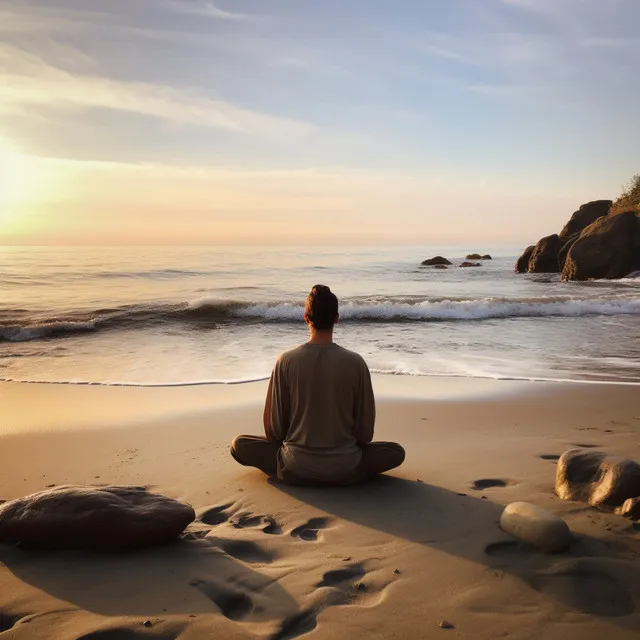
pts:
[596, 478]
[535, 526]
[92, 518]
[435, 261]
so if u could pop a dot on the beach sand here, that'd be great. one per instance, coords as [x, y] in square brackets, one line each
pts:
[394, 558]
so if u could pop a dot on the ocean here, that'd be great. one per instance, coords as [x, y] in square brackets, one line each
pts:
[197, 315]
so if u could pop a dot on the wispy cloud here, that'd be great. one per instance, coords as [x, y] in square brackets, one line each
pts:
[26, 80]
[211, 10]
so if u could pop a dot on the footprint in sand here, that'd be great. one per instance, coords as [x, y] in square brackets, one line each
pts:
[296, 625]
[216, 515]
[488, 483]
[244, 550]
[346, 588]
[309, 530]
[233, 604]
[248, 520]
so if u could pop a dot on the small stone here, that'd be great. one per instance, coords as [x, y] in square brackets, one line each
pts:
[446, 625]
[483, 498]
[49, 486]
[147, 623]
[346, 559]
[535, 526]
[421, 481]
[396, 571]
[462, 494]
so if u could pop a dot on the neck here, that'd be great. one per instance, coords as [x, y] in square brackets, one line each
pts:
[320, 337]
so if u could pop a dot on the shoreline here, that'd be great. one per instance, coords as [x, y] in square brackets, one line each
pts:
[374, 374]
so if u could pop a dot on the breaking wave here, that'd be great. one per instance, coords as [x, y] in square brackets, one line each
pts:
[21, 325]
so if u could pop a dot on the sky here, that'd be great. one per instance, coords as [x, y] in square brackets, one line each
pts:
[300, 121]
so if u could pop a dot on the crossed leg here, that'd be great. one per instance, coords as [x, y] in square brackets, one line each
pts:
[377, 457]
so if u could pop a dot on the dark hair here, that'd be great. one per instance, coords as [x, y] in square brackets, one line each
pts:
[321, 308]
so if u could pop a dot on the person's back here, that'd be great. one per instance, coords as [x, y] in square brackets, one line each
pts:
[322, 409]
[319, 411]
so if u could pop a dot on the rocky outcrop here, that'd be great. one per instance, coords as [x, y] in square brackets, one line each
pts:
[597, 242]
[607, 248]
[564, 251]
[522, 264]
[434, 261]
[470, 264]
[477, 256]
[544, 258]
[94, 519]
[584, 216]
[597, 478]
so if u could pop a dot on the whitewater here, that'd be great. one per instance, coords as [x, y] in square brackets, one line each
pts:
[196, 315]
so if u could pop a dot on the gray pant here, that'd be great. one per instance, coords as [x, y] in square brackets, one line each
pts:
[254, 451]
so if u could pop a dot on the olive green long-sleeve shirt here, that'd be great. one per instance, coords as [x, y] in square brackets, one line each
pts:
[322, 408]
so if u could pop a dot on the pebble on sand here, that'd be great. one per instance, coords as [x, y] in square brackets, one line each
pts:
[535, 526]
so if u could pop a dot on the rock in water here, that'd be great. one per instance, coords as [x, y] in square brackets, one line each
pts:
[522, 265]
[435, 261]
[584, 216]
[470, 264]
[596, 478]
[93, 518]
[535, 526]
[608, 248]
[544, 258]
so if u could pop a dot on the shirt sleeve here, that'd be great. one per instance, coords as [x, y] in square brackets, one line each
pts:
[365, 407]
[279, 403]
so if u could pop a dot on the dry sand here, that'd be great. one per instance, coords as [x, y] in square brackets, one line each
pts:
[390, 559]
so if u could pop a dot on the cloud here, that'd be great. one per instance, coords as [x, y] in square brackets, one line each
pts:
[27, 80]
[210, 10]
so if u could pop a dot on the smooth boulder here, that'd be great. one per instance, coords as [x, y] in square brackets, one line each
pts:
[630, 508]
[470, 264]
[477, 256]
[587, 214]
[522, 264]
[597, 478]
[435, 261]
[608, 248]
[93, 518]
[535, 526]
[544, 257]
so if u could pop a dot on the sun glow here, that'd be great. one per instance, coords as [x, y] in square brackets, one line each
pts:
[20, 184]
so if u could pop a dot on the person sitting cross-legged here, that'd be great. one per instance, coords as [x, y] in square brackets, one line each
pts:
[319, 413]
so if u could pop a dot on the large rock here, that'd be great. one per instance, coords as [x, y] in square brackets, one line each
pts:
[544, 258]
[435, 261]
[584, 216]
[596, 478]
[564, 251]
[522, 264]
[91, 518]
[477, 256]
[607, 248]
[535, 526]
